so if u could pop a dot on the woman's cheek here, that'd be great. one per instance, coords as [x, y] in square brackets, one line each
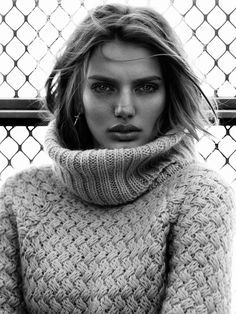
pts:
[97, 116]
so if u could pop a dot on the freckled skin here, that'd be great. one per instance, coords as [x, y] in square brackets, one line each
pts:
[116, 91]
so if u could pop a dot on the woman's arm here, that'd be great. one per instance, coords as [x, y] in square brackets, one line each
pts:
[199, 253]
[11, 297]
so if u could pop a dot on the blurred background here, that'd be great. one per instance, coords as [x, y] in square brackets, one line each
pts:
[33, 31]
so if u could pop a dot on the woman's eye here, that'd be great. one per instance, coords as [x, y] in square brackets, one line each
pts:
[102, 88]
[147, 88]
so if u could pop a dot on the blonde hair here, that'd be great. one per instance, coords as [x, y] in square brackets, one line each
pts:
[187, 108]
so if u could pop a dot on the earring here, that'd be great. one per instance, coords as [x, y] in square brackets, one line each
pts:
[77, 118]
[84, 134]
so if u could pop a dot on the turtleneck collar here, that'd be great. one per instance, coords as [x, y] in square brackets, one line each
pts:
[115, 176]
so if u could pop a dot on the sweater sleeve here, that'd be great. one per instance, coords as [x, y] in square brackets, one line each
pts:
[11, 296]
[200, 248]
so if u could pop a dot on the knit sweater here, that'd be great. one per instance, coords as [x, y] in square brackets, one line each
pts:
[135, 230]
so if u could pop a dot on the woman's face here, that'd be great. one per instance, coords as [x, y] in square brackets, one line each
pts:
[123, 99]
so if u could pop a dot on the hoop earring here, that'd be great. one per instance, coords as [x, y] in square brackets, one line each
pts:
[84, 135]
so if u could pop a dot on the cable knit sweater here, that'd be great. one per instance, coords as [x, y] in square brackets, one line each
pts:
[139, 230]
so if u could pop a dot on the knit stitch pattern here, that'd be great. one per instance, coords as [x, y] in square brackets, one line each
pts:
[113, 176]
[168, 251]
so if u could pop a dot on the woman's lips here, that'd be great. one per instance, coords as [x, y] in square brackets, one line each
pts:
[124, 128]
[124, 132]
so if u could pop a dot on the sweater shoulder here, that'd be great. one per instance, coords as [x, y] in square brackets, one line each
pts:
[197, 185]
[27, 184]
[197, 175]
[30, 175]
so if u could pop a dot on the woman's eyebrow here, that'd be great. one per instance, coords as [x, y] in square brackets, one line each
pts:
[148, 79]
[101, 78]
[139, 80]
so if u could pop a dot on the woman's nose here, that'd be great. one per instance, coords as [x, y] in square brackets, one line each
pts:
[125, 106]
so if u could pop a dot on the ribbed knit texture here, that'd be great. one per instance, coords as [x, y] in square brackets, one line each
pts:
[114, 176]
[166, 250]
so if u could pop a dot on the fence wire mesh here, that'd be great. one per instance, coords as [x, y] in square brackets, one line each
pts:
[32, 32]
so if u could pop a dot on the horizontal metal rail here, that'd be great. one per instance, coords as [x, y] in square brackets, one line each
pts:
[19, 111]
[19, 114]
[22, 111]
[31, 114]
[21, 104]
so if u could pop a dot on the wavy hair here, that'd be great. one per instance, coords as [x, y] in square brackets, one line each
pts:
[186, 109]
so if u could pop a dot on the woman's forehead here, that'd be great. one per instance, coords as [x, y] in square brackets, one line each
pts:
[116, 56]
[123, 52]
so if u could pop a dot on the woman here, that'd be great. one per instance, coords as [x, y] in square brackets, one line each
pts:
[125, 220]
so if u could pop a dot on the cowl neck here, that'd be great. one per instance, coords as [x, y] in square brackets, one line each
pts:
[115, 176]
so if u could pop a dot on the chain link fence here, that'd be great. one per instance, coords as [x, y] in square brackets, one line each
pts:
[33, 31]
